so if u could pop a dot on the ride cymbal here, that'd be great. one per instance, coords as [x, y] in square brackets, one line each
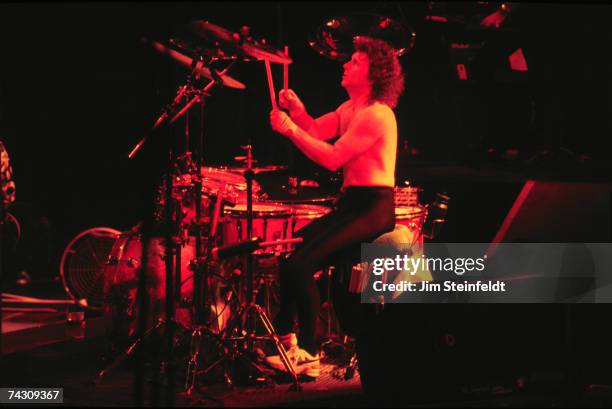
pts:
[200, 69]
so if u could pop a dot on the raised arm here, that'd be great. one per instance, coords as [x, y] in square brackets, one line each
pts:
[323, 128]
[367, 127]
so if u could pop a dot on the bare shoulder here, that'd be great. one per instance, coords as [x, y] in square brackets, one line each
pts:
[346, 105]
[378, 113]
[379, 110]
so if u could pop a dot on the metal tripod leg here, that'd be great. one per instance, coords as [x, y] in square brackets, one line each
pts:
[331, 339]
[279, 346]
[352, 366]
[192, 366]
[130, 350]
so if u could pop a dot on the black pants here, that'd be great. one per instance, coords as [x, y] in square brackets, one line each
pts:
[360, 216]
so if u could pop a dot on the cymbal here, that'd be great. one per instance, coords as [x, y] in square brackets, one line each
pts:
[239, 42]
[216, 177]
[300, 195]
[260, 169]
[334, 38]
[186, 61]
[195, 48]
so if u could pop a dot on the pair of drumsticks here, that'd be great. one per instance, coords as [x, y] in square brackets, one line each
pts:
[271, 82]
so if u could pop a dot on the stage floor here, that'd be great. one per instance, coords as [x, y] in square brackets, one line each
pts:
[42, 350]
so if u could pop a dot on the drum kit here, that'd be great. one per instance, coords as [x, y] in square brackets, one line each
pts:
[217, 259]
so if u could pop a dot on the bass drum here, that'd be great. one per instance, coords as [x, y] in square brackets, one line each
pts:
[121, 282]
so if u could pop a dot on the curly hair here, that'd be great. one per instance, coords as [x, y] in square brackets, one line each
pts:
[385, 71]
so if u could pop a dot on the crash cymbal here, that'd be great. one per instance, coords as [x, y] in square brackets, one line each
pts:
[240, 43]
[334, 38]
[186, 61]
[199, 50]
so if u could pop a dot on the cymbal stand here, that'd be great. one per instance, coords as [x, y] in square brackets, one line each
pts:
[185, 92]
[201, 269]
[251, 306]
[202, 266]
[172, 248]
[192, 95]
[228, 344]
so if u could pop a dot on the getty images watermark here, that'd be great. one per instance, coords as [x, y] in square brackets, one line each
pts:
[484, 273]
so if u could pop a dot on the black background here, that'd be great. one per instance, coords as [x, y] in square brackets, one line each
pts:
[78, 89]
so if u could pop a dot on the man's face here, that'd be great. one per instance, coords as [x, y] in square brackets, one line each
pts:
[356, 71]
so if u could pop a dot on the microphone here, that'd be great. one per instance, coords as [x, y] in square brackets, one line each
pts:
[236, 249]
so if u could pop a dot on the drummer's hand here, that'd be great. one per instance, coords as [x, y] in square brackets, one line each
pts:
[290, 101]
[281, 122]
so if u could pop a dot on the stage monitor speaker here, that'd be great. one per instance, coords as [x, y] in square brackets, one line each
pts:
[553, 212]
[424, 349]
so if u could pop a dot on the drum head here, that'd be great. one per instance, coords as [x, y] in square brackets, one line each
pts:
[309, 210]
[408, 212]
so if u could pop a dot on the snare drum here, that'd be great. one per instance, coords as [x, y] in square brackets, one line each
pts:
[271, 221]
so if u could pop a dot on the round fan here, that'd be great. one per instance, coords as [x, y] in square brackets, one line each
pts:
[83, 264]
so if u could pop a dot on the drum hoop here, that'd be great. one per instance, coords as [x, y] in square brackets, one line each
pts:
[242, 213]
[415, 211]
[311, 214]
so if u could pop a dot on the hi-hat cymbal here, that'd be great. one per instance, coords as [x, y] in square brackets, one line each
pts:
[256, 170]
[334, 38]
[241, 43]
[186, 61]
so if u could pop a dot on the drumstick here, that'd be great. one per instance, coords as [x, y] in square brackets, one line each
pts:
[270, 84]
[286, 72]
[215, 221]
[277, 242]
